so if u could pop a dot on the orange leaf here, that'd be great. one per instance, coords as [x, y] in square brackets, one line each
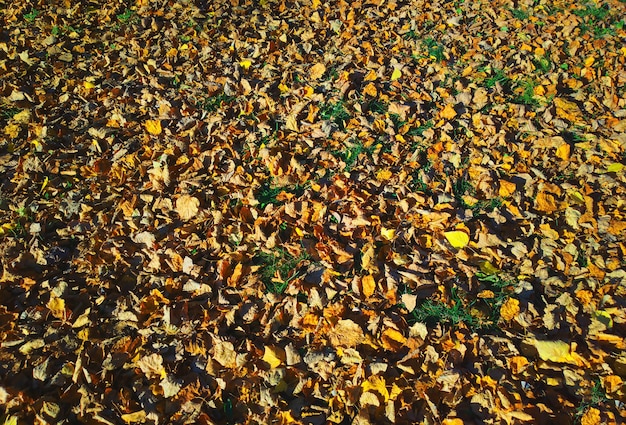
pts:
[369, 285]
[545, 202]
[510, 309]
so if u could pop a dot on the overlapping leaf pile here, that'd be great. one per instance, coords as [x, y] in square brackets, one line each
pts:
[313, 212]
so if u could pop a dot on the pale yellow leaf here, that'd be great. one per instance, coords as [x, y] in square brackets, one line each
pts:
[346, 333]
[152, 365]
[616, 167]
[396, 74]
[135, 417]
[187, 206]
[316, 71]
[378, 385]
[387, 234]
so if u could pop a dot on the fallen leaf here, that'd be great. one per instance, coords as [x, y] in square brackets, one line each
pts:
[457, 238]
[346, 333]
[187, 207]
[274, 356]
[369, 285]
[153, 127]
[316, 71]
[509, 309]
[448, 112]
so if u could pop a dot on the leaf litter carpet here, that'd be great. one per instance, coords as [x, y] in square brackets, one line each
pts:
[312, 212]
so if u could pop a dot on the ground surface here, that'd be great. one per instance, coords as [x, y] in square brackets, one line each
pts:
[312, 212]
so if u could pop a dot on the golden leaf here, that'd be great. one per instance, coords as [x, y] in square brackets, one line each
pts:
[448, 112]
[370, 89]
[457, 238]
[612, 383]
[153, 127]
[376, 384]
[591, 417]
[387, 234]
[556, 351]
[392, 339]
[245, 64]
[452, 421]
[57, 307]
[139, 416]
[518, 364]
[563, 151]
[316, 71]
[346, 333]
[545, 202]
[369, 285]
[383, 175]
[510, 309]
[274, 356]
[187, 206]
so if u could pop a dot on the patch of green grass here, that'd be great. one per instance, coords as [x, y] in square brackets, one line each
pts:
[7, 112]
[278, 268]
[526, 94]
[596, 398]
[432, 312]
[411, 35]
[543, 64]
[125, 16]
[501, 289]
[462, 187]
[31, 16]
[398, 122]
[520, 14]
[418, 131]
[435, 50]
[351, 153]
[378, 107]
[268, 193]
[214, 103]
[335, 112]
[498, 76]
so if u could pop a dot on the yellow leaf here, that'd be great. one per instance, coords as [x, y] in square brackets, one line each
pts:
[448, 112]
[556, 351]
[88, 85]
[518, 364]
[488, 268]
[506, 188]
[457, 238]
[510, 309]
[57, 307]
[577, 197]
[452, 421]
[604, 316]
[316, 4]
[153, 127]
[563, 151]
[589, 61]
[245, 64]
[139, 416]
[274, 356]
[387, 234]
[369, 285]
[392, 339]
[616, 167]
[376, 384]
[612, 383]
[370, 89]
[316, 71]
[396, 74]
[383, 175]
[11, 420]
